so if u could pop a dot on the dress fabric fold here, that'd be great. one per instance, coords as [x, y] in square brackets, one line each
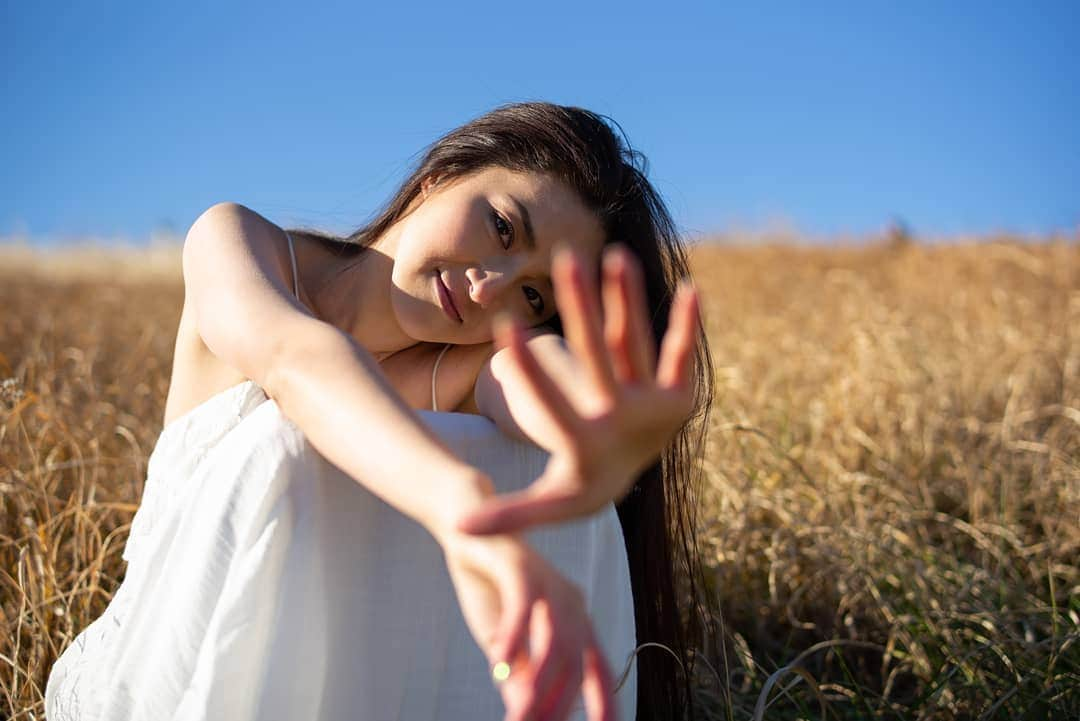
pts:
[263, 583]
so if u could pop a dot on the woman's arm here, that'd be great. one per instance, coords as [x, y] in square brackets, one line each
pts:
[237, 275]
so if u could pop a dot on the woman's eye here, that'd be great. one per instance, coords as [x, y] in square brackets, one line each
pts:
[531, 295]
[503, 228]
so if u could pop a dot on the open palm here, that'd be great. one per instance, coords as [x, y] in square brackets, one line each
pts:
[626, 406]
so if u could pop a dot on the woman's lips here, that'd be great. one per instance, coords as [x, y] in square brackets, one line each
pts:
[446, 299]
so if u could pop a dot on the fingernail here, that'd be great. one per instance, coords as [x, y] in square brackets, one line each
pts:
[610, 261]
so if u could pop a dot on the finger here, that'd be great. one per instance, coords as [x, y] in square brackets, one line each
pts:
[521, 510]
[677, 349]
[617, 332]
[546, 394]
[567, 692]
[642, 344]
[503, 329]
[597, 686]
[579, 309]
[509, 644]
[544, 679]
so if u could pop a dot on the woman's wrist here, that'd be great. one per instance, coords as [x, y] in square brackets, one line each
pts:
[467, 488]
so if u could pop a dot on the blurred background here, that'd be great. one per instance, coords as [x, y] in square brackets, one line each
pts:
[819, 121]
[887, 205]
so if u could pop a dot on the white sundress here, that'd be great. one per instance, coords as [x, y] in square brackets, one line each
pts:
[264, 583]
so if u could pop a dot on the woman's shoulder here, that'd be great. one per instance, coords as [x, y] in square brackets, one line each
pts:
[467, 362]
[452, 368]
[229, 239]
[458, 370]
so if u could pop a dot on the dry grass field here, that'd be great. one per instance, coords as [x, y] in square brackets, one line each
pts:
[891, 508]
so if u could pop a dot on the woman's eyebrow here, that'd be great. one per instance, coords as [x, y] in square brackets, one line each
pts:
[523, 213]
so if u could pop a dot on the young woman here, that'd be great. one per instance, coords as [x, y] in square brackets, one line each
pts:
[530, 223]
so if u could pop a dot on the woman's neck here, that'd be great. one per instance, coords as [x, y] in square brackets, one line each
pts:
[354, 296]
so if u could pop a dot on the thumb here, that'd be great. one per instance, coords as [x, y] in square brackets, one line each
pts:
[519, 511]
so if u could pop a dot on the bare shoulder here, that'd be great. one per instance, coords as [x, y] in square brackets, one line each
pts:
[231, 231]
[480, 363]
[238, 289]
[458, 370]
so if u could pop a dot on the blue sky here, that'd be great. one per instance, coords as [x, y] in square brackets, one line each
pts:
[126, 118]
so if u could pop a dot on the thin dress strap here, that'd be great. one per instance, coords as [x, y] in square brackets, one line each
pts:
[295, 276]
[434, 402]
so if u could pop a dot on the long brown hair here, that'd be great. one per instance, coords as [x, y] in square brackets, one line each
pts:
[657, 516]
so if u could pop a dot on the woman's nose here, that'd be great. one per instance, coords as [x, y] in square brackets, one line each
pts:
[486, 284]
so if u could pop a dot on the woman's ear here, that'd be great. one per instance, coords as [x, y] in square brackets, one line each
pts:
[428, 184]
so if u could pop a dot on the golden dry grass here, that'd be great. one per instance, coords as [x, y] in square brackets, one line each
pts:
[891, 516]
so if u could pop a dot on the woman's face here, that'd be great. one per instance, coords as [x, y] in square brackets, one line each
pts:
[480, 245]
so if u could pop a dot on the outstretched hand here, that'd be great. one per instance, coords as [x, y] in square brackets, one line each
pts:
[627, 408]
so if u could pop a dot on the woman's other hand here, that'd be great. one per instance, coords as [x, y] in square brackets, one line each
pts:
[624, 407]
[523, 613]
